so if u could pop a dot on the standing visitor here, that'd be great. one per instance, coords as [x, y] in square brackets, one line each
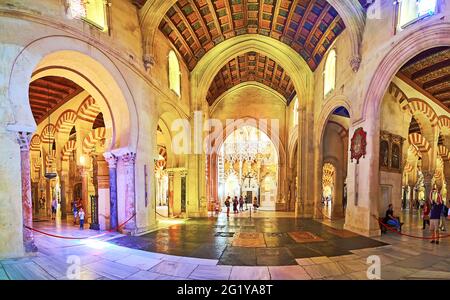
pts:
[444, 216]
[81, 215]
[241, 204]
[75, 212]
[255, 204]
[435, 217]
[54, 208]
[235, 205]
[426, 214]
[227, 204]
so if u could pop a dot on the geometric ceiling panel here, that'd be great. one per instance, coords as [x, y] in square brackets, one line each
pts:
[308, 26]
[46, 94]
[430, 70]
[251, 66]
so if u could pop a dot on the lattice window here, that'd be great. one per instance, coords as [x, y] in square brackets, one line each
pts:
[409, 11]
[91, 11]
[330, 73]
[174, 73]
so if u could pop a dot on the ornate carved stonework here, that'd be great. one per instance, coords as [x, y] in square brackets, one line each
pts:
[24, 139]
[391, 149]
[355, 62]
[111, 159]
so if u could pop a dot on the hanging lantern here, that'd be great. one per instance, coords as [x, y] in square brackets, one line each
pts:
[51, 145]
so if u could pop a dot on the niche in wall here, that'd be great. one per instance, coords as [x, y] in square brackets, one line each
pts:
[391, 152]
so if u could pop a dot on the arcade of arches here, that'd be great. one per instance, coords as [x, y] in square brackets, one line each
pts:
[94, 99]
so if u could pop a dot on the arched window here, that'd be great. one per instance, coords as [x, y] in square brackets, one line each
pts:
[295, 115]
[329, 81]
[92, 11]
[174, 73]
[410, 11]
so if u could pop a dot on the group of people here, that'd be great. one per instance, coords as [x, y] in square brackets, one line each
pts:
[434, 214]
[78, 212]
[238, 204]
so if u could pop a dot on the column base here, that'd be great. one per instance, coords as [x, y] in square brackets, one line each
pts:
[367, 232]
[30, 247]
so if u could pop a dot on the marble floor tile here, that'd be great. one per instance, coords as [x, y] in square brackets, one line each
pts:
[85, 275]
[108, 268]
[344, 257]
[26, 271]
[288, 273]
[173, 268]
[305, 262]
[205, 272]
[3, 275]
[250, 273]
[391, 272]
[324, 270]
[350, 266]
[56, 268]
[138, 261]
[199, 261]
[426, 274]
[321, 260]
[143, 275]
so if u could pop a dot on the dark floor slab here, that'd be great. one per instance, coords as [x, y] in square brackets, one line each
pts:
[326, 249]
[237, 256]
[299, 251]
[274, 257]
[355, 243]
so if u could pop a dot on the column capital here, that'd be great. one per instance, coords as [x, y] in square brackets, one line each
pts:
[128, 158]
[111, 159]
[23, 139]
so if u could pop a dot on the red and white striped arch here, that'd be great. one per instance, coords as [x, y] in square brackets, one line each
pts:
[91, 140]
[398, 94]
[420, 142]
[444, 122]
[416, 105]
[88, 110]
[408, 168]
[66, 121]
[68, 149]
[35, 143]
[162, 162]
[444, 153]
[48, 134]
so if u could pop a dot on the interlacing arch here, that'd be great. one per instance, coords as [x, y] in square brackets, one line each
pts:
[416, 105]
[444, 122]
[48, 134]
[413, 150]
[398, 94]
[91, 140]
[88, 110]
[420, 142]
[35, 143]
[408, 168]
[444, 153]
[66, 121]
[68, 149]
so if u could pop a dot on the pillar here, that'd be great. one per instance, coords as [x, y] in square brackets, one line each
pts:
[23, 139]
[427, 181]
[129, 160]
[171, 189]
[103, 193]
[113, 212]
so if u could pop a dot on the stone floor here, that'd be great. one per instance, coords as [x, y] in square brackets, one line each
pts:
[337, 255]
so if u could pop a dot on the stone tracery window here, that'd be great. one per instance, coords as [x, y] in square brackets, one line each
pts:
[410, 11]
[92, 11]
[174, 73]
[329, 73]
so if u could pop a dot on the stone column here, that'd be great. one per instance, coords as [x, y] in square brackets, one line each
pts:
[23, 139]
[129, 160]
[170, 191]
[84, 190]
[427, 180]
[112, 164]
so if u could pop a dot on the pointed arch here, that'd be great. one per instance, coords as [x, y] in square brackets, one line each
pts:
[35, 143]
[420, 142]
[48, 133]
[89, 110]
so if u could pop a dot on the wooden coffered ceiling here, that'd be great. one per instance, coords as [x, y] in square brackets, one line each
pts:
[196, 26]
[251, 66]
[429, 72]
[48, 93]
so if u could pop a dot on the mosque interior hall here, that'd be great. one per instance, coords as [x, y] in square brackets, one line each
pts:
[225, 139]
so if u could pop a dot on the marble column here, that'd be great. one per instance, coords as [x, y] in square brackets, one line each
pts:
[112, 164]
[23, 139]
[427, 180]
[84, 189]
[171, 189]
[129, 160]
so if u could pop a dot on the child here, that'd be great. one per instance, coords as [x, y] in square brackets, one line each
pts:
[81, 216]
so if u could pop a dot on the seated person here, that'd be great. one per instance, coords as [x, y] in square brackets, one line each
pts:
[391, 220]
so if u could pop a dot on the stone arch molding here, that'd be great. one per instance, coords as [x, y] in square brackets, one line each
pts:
[351, 12]
[87, 66]
[211, 63]
[420, 39]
